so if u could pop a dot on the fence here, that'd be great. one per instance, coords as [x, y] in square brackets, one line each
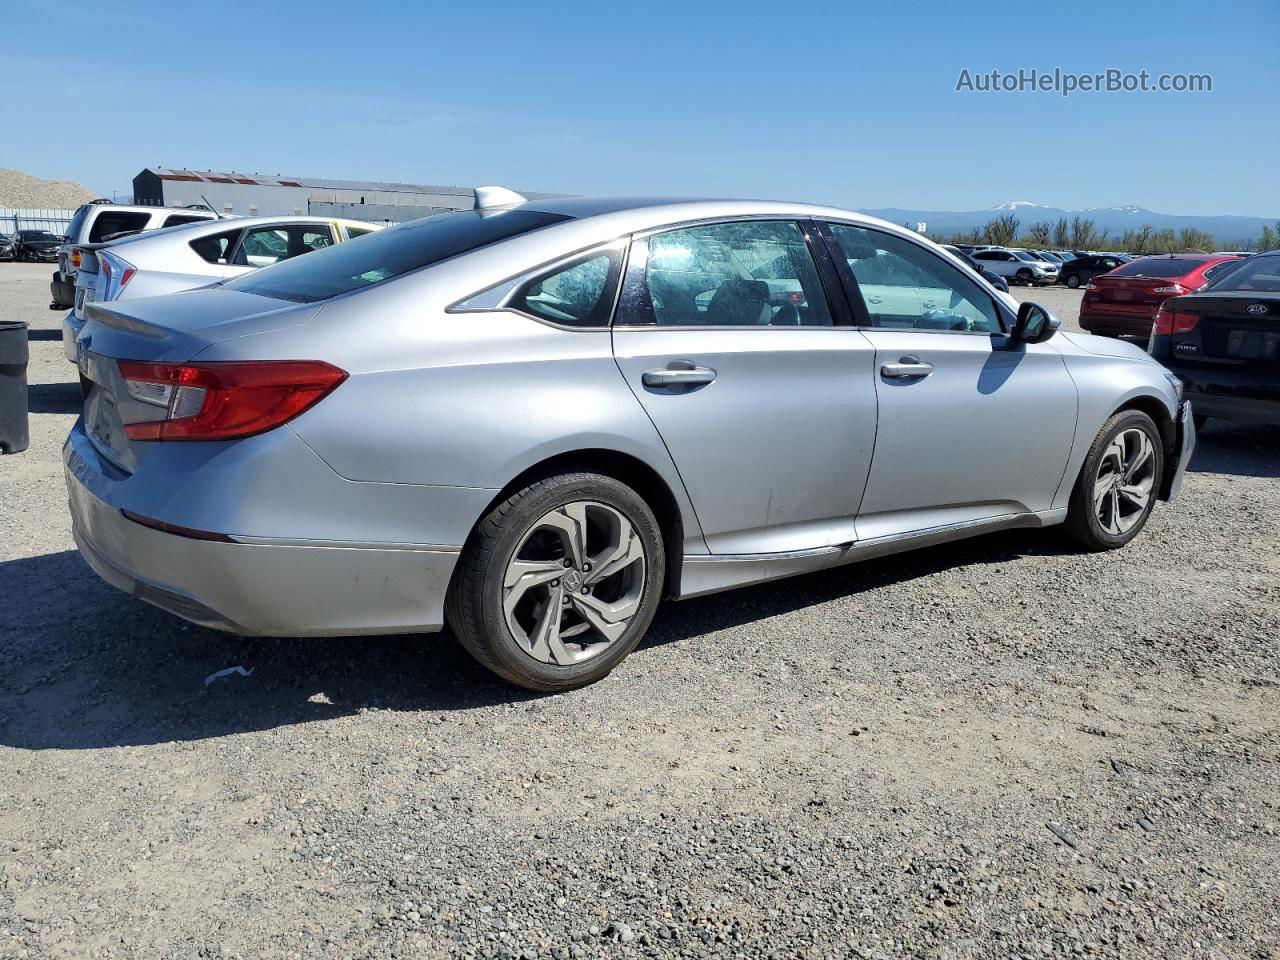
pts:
[15, 219]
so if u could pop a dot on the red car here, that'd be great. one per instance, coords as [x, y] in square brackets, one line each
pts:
[1124, 301]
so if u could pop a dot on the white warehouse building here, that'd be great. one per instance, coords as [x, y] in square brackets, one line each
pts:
[260, 195]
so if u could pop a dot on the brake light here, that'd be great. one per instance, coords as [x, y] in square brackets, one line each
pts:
[114, 275]
[1176, 290]
[226, 400]
[74, 258]
[1170, 322]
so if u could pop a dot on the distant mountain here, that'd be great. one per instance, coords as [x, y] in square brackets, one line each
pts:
[1228, 231]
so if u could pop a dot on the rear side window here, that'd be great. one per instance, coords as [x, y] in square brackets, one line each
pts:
[390, 253]
[217, 248]
[116, 221]
[579, 295]
[178, 219]
[268, 245]
[77, 222]
[1261, 274]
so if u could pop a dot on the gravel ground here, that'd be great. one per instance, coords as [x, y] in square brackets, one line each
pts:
[999, 748]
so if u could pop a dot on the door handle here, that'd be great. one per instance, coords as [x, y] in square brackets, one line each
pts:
[678, 373]
[907, 368]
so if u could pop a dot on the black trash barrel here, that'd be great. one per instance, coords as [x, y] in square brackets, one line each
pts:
[13, 386]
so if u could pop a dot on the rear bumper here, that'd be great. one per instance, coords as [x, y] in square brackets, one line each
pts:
[260, 588]
[1116, 325]
[1228, 392]
[71, 327]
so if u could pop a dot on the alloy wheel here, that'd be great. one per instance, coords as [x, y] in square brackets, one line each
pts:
[574, 583]
[1125, 482]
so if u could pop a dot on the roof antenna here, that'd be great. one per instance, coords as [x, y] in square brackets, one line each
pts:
[491, 197]
[216, 214]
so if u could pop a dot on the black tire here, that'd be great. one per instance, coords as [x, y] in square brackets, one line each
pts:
[1023, 277]
[473, 608]
[1083, 524]
[1200, 420]
[1073, 280]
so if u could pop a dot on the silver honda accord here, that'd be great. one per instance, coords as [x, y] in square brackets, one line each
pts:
[535, 419]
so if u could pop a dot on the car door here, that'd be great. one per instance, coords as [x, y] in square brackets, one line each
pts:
[969, 429]
[726, 335]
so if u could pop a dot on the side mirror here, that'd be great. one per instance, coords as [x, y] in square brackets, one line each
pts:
[1035, 324]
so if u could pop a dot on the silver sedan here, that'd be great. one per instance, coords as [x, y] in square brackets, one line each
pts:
[534, 420]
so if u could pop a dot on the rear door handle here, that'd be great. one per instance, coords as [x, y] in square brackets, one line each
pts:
[907, 368]
[686, 374]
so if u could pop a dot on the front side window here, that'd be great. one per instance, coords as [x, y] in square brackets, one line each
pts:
[905, 286]
[579, 295]
[739, 274]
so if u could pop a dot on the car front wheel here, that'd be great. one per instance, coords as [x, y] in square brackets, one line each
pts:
[1072, 281]
[559, 582]
[1118, 483]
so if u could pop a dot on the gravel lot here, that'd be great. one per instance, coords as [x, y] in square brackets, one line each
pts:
[998, 748]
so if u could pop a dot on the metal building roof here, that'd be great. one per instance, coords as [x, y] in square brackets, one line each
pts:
[278, 180]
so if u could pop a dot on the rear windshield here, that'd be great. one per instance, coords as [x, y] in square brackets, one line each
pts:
[388, 253]
[1257, 273]
[1157, 267]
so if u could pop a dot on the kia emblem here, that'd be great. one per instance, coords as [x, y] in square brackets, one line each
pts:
[1257, 308]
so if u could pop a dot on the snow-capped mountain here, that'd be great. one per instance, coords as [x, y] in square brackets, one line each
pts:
[1228, 232]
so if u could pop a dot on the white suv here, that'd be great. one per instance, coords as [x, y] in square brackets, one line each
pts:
[1016, 266]
[101, 220]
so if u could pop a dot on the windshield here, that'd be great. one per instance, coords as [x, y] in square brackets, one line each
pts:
[1023, 255]
[37, 235]
[1158, 267]
[388, 253]
[1256, 273]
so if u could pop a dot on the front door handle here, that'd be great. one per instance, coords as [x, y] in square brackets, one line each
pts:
[907, 368]
[679, 373]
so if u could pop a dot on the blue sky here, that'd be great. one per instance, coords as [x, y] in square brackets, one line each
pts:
[844, 103]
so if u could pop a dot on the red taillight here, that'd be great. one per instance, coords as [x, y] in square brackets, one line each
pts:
[116, 274]
[74, 258]
[1170, 322]
[225, 401]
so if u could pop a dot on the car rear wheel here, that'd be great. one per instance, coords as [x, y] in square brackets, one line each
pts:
[559, 581]
[1118, 483]
[1073, 280]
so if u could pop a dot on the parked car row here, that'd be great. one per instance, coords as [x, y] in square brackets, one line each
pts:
[34, 246]
[535, 419]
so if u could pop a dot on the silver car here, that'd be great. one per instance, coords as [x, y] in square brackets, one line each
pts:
[183, 257]
[532, 421]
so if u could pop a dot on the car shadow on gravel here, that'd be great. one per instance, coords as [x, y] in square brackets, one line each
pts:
[83, 666]
[692, 618]
[54, 398]
[1237, 449]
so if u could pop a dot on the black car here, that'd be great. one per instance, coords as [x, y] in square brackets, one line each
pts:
[8, 250]
[1224, 342]
[994, 279]
[37, 245]
[1081, 270]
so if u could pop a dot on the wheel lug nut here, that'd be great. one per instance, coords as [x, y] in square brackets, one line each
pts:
[586, 589]
[555, 583]
[567, 562]
[586, 568]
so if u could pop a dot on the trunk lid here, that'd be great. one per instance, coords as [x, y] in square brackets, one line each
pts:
[169, 329]
[1231, 328]
[1131, 291]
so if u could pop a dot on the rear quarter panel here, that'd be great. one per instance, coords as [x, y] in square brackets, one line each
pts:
[459, 399]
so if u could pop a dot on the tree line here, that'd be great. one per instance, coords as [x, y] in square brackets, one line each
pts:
[1082, 233]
